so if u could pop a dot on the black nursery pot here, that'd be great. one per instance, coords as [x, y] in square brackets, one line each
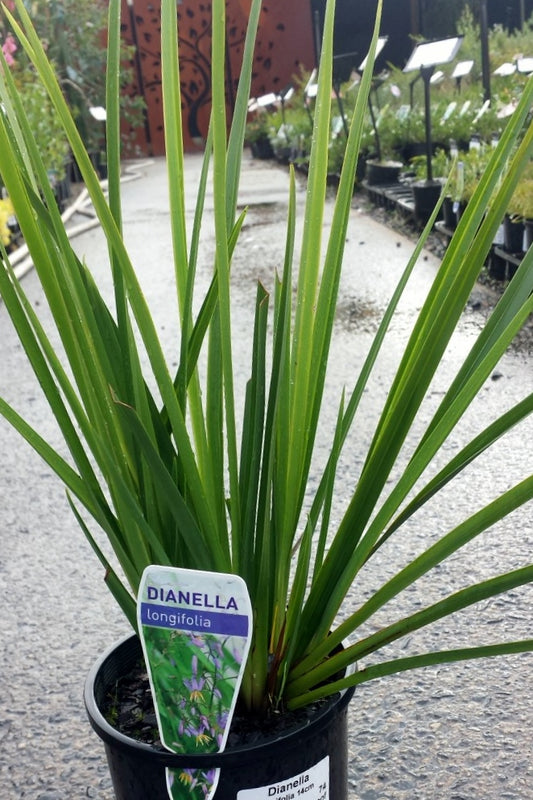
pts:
[382, 172]
[449, 217]
[513, 235]
[262, 148]
[301, 759]
[426, 195]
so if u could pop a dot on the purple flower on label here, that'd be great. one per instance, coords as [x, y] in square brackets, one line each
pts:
[216, 647]
[223, 719]
[210, 777]
[188, 778]
[195, 686]
[199, 733]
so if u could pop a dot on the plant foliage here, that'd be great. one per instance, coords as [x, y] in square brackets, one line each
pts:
[162, 462]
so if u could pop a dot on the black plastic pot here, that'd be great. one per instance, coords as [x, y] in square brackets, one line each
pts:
[262, 148]
[449, 217]
[426, 196]
[138, 770]
[513, 234]
[497, 266]
[412, 150]
[416, 149]
[451, 212]
[382, 172]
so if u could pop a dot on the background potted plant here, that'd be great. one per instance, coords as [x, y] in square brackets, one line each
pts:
[444, 168]
[258, 133]
[168, 469]
[41, 115]
[388, 127]
[521, 210]
[73, 33]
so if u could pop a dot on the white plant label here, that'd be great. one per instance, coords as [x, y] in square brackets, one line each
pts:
[195, 629]
[313, 784]
[499, 237]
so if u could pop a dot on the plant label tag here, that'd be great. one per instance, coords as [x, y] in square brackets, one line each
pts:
[313, 784]
[195, 629]
[499, 237]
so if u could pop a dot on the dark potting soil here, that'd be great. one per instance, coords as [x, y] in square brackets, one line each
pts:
[130, 710]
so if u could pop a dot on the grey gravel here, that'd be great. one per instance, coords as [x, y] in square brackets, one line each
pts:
[460, 732]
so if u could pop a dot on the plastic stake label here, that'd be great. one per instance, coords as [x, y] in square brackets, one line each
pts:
[195, 629]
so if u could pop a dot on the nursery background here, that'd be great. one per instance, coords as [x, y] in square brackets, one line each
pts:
[457, 731]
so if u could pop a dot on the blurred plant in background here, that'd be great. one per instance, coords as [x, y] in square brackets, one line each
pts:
[394, 128]
[74, 35]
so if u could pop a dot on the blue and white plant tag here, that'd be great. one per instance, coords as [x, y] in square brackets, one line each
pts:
[195, 629]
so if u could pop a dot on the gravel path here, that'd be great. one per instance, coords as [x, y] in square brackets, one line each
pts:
[461, 732]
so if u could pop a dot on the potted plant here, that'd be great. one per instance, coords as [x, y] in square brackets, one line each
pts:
[43, 119]
[520, 213]
[525, 200]
[443, 168]
[404, 127]
[384, 168]
[447, 172]
[74, 33]
[258, 133]
[161, 461]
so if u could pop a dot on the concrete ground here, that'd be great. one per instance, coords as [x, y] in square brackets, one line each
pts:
[460, 732]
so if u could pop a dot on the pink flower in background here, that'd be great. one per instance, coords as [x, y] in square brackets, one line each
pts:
[8, 48]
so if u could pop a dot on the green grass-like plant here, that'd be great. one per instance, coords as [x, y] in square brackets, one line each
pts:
[158, 459]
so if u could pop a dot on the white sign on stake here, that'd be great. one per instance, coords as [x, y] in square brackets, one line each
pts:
[195, 629]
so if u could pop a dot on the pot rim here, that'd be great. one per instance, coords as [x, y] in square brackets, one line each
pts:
[230, 757]
[388, 163]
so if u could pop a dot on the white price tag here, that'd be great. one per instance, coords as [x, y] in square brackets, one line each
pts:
[313, 784]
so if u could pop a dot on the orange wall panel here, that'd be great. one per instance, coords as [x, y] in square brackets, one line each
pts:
[284, 46]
